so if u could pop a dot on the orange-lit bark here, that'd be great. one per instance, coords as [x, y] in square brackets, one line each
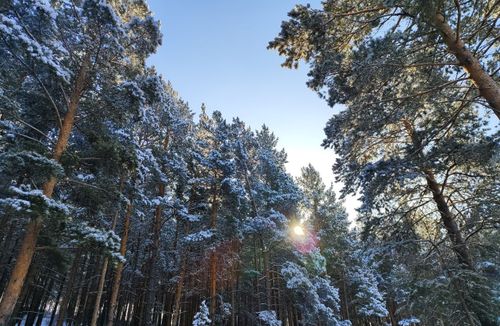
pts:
[488, 88]
[28, 245]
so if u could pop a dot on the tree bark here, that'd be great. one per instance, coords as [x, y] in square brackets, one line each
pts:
[487, 86]
[33, 228]
[20, 270]
[100, 287]
[145, 315]
[213, 256]
[9, 244]
[176, 309]
[56, 303]
[447, 218]
[119, 268]
[104, 270]
[150, 264]
[267, 274]
[36, 300]
[234, 288]
[345, 301]
[69, 288]
[459, 245]
[178, 295]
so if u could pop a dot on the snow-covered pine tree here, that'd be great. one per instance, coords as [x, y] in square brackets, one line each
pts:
[410, 124]
[144, 199]
[364, 53]
[349, 266]
[202, 317]
[62, 67]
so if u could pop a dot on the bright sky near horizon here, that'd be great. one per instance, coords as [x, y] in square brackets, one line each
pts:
[214, 52]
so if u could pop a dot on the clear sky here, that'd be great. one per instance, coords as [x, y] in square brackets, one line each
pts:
[214, 52]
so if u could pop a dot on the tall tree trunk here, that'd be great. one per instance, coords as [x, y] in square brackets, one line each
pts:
[150, 264]
[24, 296]
[392, 309]
[267, 273]
[447, 218]
[459, 245]
[280, 301]
[33, 228]
[234, 288]
[178, 295]
[46, 297]
[487, 86]
[264, 249]
[56, 303]
[20, 270]
[119, 267]
[149, 294]
[104, 270]
[100, 287]
[38, 289]
[213, 285]
[75, 300]
[256, 296]
[343, 295]
[8, 245]
[85, 313]
[69, 288]
[213, 256]
[176, 309]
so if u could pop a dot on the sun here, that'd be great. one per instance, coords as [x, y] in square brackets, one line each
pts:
[298, 230]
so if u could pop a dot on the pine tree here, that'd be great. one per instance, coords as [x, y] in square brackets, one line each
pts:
[346, 261]
[202, 316]
[153, 217]
[365, 53]
[406, 146]
[65, 66]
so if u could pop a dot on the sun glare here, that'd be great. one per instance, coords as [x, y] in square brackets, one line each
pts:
[298, 230]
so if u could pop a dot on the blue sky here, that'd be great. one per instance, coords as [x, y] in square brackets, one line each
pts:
[214, 52]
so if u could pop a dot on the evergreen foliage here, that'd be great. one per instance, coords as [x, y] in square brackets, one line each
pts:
[119, 206]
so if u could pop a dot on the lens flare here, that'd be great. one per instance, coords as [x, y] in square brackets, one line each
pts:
[298, 230]
[303, 239]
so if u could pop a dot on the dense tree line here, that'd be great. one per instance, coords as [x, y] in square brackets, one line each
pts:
[119, 206]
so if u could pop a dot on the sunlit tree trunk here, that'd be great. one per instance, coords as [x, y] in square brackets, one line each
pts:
[487, 86]
[28, 245]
